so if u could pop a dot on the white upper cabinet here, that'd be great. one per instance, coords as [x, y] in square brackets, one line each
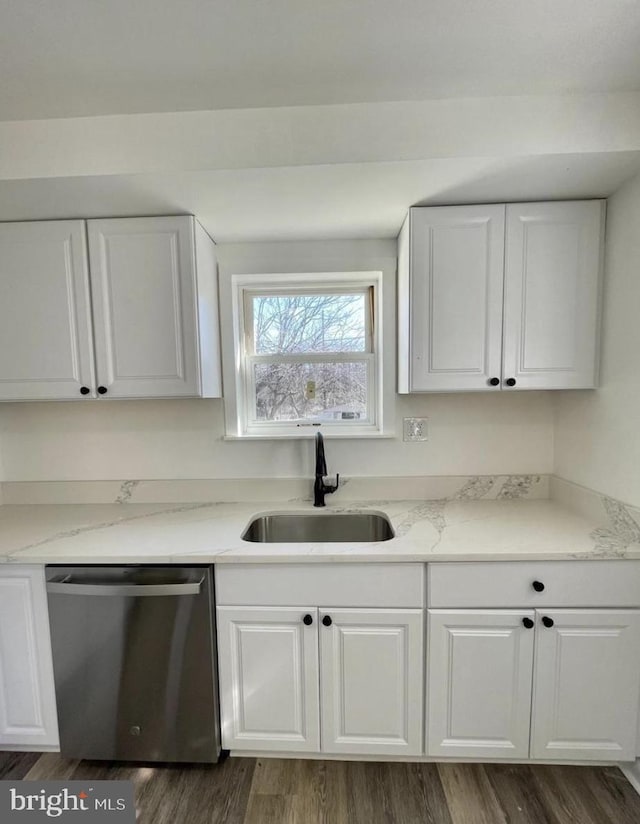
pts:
[450, 296]
[488, 302]
[551, 294]
[46, 349]
[154, 295]
[153, 311]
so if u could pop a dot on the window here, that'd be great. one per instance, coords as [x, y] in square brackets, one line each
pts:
[307, 353]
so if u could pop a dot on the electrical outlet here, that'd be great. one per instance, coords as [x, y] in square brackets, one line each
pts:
[414, 429]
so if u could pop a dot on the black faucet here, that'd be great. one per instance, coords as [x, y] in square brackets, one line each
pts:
[320, 489]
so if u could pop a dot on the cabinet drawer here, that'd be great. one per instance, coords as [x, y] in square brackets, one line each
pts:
[336, 585]
[511, 584]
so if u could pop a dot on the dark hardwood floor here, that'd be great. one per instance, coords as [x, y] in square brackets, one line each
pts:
[279, 791]
[15, 765]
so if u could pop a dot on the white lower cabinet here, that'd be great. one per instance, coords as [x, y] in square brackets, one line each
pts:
[28, 718]
[268, 669]
[479, 683]
[584, 666]
[518, 666]
[371, 681]
[586, 686]
[359, 670]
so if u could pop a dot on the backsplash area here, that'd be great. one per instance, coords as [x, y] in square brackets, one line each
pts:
[477, 434]
[619, 522]
[280, 490]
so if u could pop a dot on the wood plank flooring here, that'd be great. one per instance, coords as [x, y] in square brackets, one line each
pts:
[280, 791]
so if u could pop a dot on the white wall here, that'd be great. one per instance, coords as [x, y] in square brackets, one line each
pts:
[597, 440]
[479, 434]
[485, 433]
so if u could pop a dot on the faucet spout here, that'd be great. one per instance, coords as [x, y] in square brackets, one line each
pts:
[321, 463]
[320, 489]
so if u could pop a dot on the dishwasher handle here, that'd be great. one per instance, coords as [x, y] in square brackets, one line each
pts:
[67, 587]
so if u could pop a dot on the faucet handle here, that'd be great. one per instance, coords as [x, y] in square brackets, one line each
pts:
[333, 488]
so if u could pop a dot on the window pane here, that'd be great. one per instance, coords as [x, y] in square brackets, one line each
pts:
[285, 391]
[293, 324]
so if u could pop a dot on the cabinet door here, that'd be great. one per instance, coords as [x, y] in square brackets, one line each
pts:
[45, 328]
[268, 670]
[371, 681]
[552, 284]
[144, 304]
[28, 717]
[587, 683]
[479, 683]
[455, 298]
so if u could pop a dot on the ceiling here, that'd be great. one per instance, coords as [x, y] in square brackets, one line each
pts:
[508, 110]
[349, 200]
[85, 57]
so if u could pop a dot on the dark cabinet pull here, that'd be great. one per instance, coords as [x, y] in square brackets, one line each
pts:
[510, 381]
[327, 621]
[548, 622]
[307, 620]
[538, 586]
[528, 623]
[102, 390]
[494, 381]
[84, 390]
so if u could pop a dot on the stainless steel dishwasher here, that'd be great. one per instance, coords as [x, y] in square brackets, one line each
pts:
[134, 662]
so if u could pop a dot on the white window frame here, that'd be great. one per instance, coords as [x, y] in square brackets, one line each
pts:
[240, 407]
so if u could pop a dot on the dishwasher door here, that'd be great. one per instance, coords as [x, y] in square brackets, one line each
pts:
[134, 662]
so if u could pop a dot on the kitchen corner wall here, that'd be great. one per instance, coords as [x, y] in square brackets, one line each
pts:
[597, 442]
[469, 434]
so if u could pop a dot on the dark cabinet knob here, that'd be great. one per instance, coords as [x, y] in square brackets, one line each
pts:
[510, 381]
[528, 623]
[308, 620]
[494, 381]
[102, 390]
[84, 390]
[548, 622]
[538, 586]
[327, 621]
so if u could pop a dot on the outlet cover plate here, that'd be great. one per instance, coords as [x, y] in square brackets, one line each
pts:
[414, 429]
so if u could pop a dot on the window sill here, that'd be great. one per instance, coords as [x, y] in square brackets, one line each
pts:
[309, 435]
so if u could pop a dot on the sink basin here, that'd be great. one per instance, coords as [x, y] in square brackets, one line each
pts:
[317, 527]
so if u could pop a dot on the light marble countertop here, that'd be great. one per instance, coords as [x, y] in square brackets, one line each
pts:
[432, 530]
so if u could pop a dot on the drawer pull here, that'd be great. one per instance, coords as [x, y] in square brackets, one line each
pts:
[327, 621]
[548, 622]
[538, 586]
[307, 620]
[528, 623]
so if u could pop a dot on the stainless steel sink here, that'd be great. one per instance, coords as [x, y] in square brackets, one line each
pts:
[317, 527]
